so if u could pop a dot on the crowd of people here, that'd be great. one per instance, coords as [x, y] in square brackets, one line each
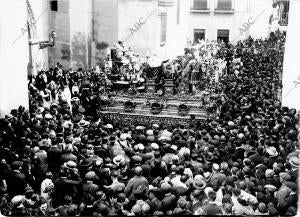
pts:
[63, 159]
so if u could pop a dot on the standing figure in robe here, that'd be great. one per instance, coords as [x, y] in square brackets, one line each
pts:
[195, 77]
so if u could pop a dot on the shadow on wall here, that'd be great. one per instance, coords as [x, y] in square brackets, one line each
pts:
[101, 53]
[79, 51]
[59, 53]
[65, 52]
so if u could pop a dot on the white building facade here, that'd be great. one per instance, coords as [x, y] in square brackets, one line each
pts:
[228, 20]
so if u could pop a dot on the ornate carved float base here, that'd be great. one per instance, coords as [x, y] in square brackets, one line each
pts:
[172, 111]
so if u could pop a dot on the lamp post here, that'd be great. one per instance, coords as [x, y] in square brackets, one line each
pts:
[42, 44]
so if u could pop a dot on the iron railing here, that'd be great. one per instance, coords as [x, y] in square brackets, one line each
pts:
[283, 18]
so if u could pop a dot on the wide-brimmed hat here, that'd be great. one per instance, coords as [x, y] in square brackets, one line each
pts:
[269, 173]
[272, 151]
[39, 116]
[123, 137]
[118, 159]
[14, 112]
[109, 126]
[156, 126]
[140, 128]
[90, 175]
[154, 146]
[285, 176]
[199, 184]
[294, 161]
[48, 116]
[136, 159]
[230, 123]
[83, 123]
[270, 187]
[85, 163]
[149, 132]
[40, 110]
[292, 185]
[70, 164]
[8, 117]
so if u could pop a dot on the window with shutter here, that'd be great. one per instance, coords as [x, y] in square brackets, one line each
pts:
[224, 5]
[200, 5]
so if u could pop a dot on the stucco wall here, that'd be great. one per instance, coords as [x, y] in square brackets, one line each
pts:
[243, 10]
[176, 32]
[80, 28]
[13, 56]
[41, 11]
[105, 28]
[60, 22]
[291, 74]
[105, 15]
[144, 38]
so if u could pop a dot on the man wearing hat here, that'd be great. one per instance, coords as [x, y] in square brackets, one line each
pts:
[68, 155]
[16, 183]
[258, 157]
[47, 187]
[292, 198]
[212, 208]
[134, 182]
[197, 199]
[64, 186]
[284, 190]
[116, 185]
[155, 203]
[54, 154]
[169, 200]
[89, 187]
[294, 161]
[273, 155]
[216, 174]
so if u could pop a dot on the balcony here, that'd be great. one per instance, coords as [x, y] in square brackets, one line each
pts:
[283, 18]
[275, 2]
[199, 10]
[224, 11]
[166, 3]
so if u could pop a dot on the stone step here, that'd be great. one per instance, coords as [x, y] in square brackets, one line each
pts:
[172, 110]
[148, 112]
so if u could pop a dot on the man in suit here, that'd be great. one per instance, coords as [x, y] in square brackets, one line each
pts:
[68, 155]
[89, 187]
[134, 182]
[216, 174]
[258, 157]
[212, 208]
[16, 181]
[62, 210]
[197, 197]
[63, 187]
[54, 156]
[290, 199]
[116, 186]
[169, 201]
